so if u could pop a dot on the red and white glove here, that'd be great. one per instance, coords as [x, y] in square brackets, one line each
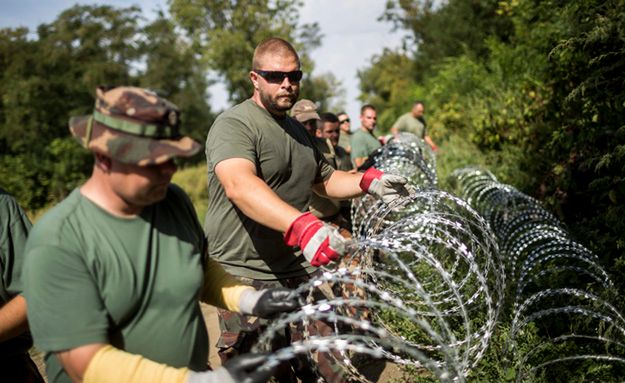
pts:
[320, 242]
[387, 187]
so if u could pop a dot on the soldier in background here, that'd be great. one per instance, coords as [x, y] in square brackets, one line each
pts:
[346, 131]
[363, 140]
[414, 122]
[15, 340]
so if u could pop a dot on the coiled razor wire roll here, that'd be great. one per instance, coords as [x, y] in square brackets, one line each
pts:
[421, 286]
[558, 284]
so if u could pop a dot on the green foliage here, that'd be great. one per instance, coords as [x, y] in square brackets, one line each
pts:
[48, 79]
[225, 34]
[533, 91]
[193, 180]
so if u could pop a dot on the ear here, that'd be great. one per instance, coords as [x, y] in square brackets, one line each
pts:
[102, 162]
[254, 79]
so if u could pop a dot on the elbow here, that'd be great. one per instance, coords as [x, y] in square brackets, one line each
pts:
[233, 192]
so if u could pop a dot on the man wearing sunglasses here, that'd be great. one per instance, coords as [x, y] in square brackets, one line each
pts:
[346, 132]
[262, 170]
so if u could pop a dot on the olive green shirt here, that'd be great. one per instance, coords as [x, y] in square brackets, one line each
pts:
[345, 139]
[363, 143]
[409, 124]
[287, 160]
[92, 277]
[14, 228]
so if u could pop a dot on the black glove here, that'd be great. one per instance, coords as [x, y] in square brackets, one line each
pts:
[241, 369]
[245, 368]
[267, 303]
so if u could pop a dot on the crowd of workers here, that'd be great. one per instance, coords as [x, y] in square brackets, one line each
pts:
[109, 281]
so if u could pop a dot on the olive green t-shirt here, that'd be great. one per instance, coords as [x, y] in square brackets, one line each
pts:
[14, 227]
[345, 139]
[91, 277]
[363, 143]
[408, 123]
[287, 161]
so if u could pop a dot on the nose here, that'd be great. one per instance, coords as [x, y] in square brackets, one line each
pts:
[286, 82]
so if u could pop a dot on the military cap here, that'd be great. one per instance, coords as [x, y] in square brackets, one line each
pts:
[133, 125]
[305, 110]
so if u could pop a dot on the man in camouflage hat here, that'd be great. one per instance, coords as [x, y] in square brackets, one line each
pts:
[113, 273]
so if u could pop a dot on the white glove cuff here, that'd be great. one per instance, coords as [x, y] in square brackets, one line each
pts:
[248, 300]
[220, 375]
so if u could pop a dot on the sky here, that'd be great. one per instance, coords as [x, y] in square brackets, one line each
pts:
[351, 35]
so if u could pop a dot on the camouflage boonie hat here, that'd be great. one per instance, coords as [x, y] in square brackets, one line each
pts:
[133, 125]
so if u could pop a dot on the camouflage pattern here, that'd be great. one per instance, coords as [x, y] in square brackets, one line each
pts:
[240, 333]
[145, 132]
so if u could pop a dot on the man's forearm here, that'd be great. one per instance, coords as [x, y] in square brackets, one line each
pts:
[341, 185]
[428, 140]
[13, 318]
[359, 161]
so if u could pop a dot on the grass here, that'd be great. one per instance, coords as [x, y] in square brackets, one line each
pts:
[193, 180]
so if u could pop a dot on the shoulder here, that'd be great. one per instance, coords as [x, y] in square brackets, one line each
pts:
[176, 195]
[241, 115]
[51, 228]
[8, 204]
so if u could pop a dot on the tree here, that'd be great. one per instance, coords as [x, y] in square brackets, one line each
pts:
[47, 80]
[225, 33]
[449, 30]
[175, 71]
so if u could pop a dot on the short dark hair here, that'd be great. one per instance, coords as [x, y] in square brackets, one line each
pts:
[329, 117]
[365, 107]
[417, 102]
[273, 46]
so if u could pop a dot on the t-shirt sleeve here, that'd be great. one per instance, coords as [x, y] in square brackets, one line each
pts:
[229, 138]
[324, 169]
[15, 228]
[65, 309]
[398, 123]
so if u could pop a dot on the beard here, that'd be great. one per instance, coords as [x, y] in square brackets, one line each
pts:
[280, 103]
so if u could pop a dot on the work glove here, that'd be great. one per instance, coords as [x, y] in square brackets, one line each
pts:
[268, 302]
[241, 369]
[320, 242]
[387, 187]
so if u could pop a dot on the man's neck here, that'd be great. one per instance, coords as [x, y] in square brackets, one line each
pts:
[98, 191]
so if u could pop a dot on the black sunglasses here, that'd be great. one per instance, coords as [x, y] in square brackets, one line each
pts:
[277, 77]
[344, 121]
